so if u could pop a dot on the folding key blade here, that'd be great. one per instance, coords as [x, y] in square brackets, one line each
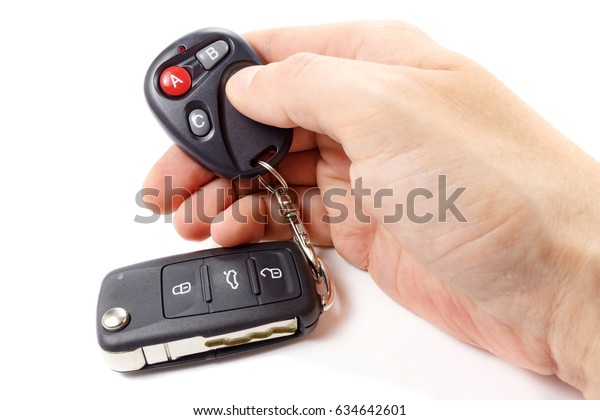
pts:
[185, 87]
[205, 305]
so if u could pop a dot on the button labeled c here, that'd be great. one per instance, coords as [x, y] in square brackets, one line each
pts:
[199, 122]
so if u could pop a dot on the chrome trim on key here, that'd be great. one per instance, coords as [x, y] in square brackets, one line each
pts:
[173, 350]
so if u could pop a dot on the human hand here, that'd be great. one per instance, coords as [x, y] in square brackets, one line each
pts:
[382, 104]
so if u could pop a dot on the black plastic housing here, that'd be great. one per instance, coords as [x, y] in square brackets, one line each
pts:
[234, 142]
[137, 289]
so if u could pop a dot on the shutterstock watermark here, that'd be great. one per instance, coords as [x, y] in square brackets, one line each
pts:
[340, 203]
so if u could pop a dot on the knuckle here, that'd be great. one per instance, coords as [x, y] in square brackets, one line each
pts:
[300, 64]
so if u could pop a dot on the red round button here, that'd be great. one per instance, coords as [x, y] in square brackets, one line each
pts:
[175, 81]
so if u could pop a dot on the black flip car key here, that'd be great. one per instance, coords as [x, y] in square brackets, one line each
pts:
[185, 87]
[205, 305]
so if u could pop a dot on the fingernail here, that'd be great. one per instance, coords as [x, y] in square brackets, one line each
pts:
[238, 83]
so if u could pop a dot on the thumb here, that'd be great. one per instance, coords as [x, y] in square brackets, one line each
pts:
[320, 93]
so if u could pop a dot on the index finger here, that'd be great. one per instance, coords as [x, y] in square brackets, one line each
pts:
[172, 179]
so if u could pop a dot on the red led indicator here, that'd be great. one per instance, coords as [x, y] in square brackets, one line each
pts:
[181, 49]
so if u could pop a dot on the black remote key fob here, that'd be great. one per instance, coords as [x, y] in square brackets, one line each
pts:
[185, 87]
[205, 304]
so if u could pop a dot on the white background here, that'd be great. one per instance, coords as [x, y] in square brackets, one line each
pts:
[77, 140]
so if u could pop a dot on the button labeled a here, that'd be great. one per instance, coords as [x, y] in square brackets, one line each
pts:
[175, 81]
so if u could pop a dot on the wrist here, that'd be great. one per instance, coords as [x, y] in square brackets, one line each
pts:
[574, 334]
